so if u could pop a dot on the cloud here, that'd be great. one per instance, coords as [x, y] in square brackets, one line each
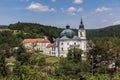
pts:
[53, 0]
[38, 7]
[104, 21]
[78, 1]
[116, 22]
[73, 10]
[101, 9]
[80, 10]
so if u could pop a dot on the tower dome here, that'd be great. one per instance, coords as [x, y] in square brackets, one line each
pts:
[81, 25]
[67, 32]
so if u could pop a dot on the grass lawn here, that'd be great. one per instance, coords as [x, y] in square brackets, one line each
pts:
[52, 60]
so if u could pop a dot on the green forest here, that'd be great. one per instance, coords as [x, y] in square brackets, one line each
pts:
[18, 64]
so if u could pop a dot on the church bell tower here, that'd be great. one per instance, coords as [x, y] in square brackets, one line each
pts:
[81, 30]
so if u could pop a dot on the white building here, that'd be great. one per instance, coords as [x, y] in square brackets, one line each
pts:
[68, 40]
[37, 44]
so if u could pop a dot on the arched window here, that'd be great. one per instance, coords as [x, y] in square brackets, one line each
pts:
[81, 34]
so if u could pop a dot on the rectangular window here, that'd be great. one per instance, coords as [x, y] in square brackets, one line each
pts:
[53, 48]
[74, 43]
[67, 43]
[62, 49]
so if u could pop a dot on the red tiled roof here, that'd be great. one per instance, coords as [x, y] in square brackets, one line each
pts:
[50, 45]
[42, 40]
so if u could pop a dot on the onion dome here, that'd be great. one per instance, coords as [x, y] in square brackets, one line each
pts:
[81, 25]
[67, 32]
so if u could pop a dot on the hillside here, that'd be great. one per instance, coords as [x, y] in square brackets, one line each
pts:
[3, 26]
[32, 30]
[110, 31]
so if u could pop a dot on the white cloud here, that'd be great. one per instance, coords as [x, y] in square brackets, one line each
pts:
[102, 9]
[39, 7]
[80, 10]
[52, 9]
[78, 1]
[104, 21]
[53, 0]
[116, 22]
[73, 10]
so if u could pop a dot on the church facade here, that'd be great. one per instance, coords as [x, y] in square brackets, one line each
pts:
[68, 39]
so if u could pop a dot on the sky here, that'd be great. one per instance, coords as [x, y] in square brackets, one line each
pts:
[95, 13]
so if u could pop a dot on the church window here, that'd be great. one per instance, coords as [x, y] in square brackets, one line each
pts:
[81, 34]
[53, 53]
[53, 48]
[67, 43]
[62, 49]
[74, 43]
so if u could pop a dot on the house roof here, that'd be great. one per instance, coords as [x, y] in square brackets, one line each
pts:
[50, 45]
[63, 38]
[41, 40]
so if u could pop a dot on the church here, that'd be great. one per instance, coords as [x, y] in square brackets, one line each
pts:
[67, 40]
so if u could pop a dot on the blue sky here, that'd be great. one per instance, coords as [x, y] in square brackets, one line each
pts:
[95, 13]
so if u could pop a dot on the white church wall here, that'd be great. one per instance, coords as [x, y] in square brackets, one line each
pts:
[64, 46]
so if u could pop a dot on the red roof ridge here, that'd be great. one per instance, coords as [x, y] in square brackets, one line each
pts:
[32, 40]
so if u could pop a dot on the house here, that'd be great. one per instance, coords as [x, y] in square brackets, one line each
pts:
[36, 44]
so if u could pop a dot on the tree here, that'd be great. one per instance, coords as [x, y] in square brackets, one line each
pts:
[22, 56]
[24, 72]
[41, 61]
[3, 68]
[74, 55]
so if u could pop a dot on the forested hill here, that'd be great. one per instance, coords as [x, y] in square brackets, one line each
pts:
[39, 30]
[3, 26]
[35, 30]
[110, 31]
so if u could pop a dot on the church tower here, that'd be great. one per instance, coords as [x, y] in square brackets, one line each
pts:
[81, 30]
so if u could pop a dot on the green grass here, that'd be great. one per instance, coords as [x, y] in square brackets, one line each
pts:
[52, 60]
[49, 59]
[4, 29]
